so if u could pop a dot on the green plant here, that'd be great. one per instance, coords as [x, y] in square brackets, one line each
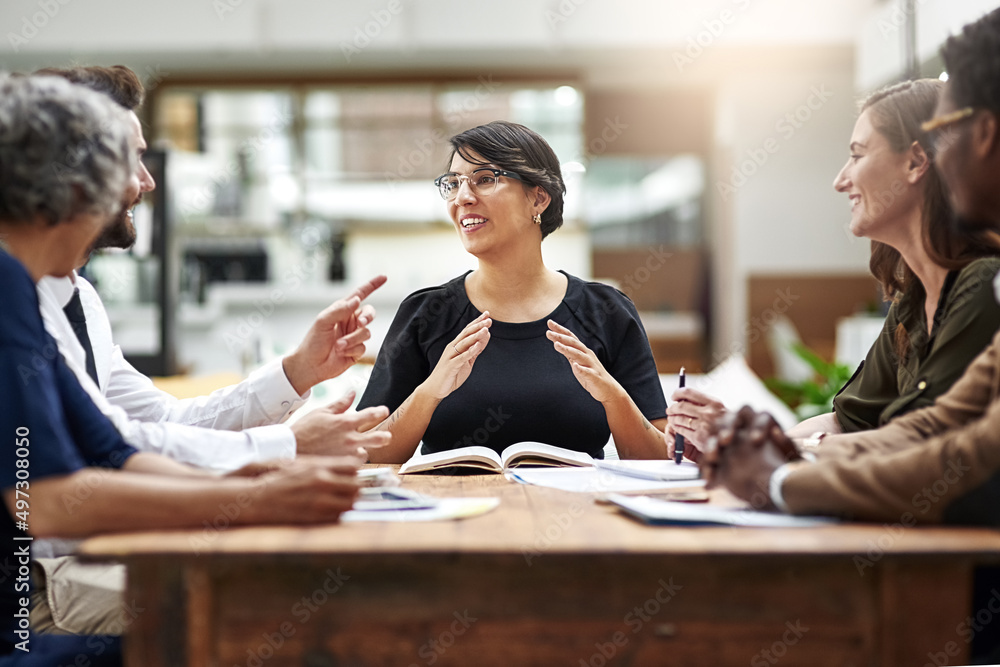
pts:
[815, 396]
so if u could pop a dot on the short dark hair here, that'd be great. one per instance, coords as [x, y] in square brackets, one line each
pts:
[117, 82]
[514, 147]
[972, 59]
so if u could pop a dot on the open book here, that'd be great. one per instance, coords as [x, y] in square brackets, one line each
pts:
[484, 458]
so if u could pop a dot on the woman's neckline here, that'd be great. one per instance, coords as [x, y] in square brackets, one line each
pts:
[562, 300]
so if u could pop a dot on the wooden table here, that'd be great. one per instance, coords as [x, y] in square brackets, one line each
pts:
[548, 578]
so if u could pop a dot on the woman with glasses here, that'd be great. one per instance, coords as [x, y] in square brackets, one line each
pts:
[514, 351]
[936, 273]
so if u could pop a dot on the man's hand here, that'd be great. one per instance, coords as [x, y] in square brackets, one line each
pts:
[332, 431]
[335, 340]
[317, 490]
[259, 468]
[743, 451]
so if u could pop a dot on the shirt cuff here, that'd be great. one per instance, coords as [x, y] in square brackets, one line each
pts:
[274, 392]
[774, 486]
[272, 442]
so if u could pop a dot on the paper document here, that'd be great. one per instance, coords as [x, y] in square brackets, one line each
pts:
[661, 470]
[443, 509]
[666, 513]
[387, 498]
[377, 477]
[594, 480]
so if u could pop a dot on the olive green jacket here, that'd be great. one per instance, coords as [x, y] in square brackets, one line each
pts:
[967, 317]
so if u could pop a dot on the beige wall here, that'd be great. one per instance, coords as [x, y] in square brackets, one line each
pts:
[754, 60]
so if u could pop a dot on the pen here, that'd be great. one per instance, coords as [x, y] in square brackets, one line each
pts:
[678, 438]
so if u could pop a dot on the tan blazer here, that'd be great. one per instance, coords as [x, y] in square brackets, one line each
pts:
[938, 464]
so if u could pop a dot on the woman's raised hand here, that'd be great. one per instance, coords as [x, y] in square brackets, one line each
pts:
[456, 361]
[587, 368]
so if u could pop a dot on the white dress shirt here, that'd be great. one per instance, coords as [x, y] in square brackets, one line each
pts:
[223, 431]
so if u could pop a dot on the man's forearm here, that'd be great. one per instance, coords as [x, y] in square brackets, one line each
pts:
[967, 401]
[96, 500]
[917, 482]
[298, 373]
[156, 464]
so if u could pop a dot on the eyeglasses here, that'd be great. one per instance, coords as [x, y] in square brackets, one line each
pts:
[482, 182]
[940, 129]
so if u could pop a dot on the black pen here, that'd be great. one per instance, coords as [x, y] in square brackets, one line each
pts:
[678, 438]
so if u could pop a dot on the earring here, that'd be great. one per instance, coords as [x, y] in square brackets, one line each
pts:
[537, 218]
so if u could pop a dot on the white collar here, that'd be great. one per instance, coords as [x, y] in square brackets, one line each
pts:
[61, 288]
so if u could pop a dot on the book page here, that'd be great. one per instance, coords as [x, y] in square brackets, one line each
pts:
[540, 454]
[472, 457]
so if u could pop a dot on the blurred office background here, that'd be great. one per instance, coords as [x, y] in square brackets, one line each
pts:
[295, 142]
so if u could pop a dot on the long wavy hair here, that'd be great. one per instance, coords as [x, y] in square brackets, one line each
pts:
[896, 112]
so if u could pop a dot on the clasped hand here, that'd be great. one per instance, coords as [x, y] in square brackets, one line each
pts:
[741, 453]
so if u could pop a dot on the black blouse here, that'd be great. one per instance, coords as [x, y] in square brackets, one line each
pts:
[520, 388]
